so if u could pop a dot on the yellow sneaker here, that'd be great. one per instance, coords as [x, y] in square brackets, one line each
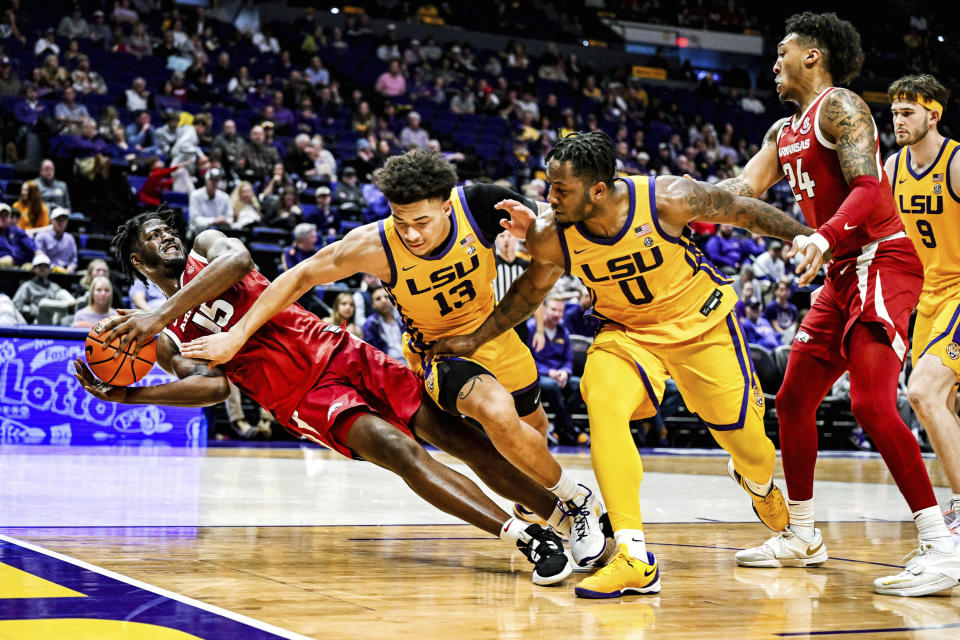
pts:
[625, 574]
[771, 508]
[522, 513]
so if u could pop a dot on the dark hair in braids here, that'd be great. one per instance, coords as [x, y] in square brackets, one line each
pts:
[127, 238]
[591, 154]
[838, 41]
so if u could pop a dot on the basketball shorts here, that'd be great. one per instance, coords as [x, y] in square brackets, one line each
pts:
[505, 358]
[713, 372]
[881, 286]
[939, 334]
[359, 379]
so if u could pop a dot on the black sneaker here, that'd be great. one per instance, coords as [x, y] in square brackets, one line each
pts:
[544, 549]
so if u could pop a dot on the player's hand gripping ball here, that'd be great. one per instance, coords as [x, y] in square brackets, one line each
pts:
[119, 371]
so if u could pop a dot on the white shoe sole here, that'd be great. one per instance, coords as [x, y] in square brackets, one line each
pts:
[776, 563]
[546, 582]
[918, 590]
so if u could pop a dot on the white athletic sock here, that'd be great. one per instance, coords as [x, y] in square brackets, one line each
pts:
[512, 530]
[559, 521]
[633, 538]
[931, 528]
[566, 488]
[801, 518]
[759, 489]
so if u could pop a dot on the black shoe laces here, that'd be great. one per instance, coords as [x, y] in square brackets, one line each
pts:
[579, 513]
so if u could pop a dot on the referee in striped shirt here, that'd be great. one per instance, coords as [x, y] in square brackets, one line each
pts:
[509, 266]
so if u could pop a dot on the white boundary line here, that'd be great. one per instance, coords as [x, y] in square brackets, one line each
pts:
[256, 624]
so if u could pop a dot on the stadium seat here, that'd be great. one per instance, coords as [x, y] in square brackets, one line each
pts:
[580, 346]
[766, 369]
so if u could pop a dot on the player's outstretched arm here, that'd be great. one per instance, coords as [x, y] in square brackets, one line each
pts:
[522, 298]
[228, 261]
[762, 171]
[199, 384]
[359, 250]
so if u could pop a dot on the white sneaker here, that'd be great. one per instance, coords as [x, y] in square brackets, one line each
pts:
[786, 549]
[951, 517]
[587, 542]
[927, 571]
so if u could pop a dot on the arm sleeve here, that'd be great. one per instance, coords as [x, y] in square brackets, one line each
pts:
[481, 199]
[865, 194]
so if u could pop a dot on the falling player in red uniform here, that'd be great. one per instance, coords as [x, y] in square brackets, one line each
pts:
[319, 381]
[829, 153]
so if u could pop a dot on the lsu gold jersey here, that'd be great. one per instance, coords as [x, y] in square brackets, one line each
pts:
[446, 294]
[646, 280]
[930, 207]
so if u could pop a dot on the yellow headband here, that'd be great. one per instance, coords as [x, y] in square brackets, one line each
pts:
[932, 105]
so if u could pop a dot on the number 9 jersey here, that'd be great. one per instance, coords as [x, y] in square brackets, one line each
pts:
[646, 280]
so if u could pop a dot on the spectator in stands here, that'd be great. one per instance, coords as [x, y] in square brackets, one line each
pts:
[120, 149]
[781, 313]
[16, 247]
[382, 328]
[757, 329]
[348, 196]
[33, 213]
[392, 83]
[167, 134]
[138, 98]
[53, 192]
[413, 135]
[74, 25]
[209, 205]
[769, 266]
[279, 180]
[753, 246]
[304, 245]
[40, 300]
[323, 215]
[519, 166]
[575, 317]
[139, 43]
[365, 161]
[297, 160]
[389, 48]
[751, 104]
[186, 151]
[30, 110]
[323, 162]
[9, 316]
[47, 44]
[363, 297]
[554, 361]
[344, 314]
[100, 32]
[316, 74]
[261, 157]
[141, 135]
[159, 180]
[146, 296]
[463, 102]
[9, 81]
[231, 145]
[244, 206]
[99, 306]
[85, 80]
[266, 41]
[57, 244]
[289, 213]
[724, 249]
[749, 293]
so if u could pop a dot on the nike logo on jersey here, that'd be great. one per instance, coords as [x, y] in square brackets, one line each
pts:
[579, 251]
[847, 227]
[333, 408]
[408, 268]
[843, 270]
[902, 181]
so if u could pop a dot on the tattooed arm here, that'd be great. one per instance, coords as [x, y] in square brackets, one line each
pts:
[680, 200]
[846, 120]
[762, 171]
[523, 297]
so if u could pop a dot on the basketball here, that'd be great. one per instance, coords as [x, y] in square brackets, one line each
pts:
[122, 371]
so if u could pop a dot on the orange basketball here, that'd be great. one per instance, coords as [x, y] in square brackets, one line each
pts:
[122, 371]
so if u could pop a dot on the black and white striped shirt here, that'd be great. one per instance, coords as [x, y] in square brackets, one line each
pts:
[507, 272]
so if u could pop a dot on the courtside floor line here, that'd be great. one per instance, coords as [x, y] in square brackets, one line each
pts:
[236, 617]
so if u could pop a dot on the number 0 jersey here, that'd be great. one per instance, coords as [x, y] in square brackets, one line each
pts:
[281, 361]
[812, 167]
[646, 280]
[446, 294]
[930, 208]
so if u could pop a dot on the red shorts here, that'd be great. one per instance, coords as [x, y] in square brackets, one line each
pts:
[882, 285]
[359, 379]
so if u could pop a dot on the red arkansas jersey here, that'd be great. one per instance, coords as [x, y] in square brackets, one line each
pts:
[812, 167]
[281, 361]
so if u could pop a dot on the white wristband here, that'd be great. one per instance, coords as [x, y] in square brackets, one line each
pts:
[820, 242]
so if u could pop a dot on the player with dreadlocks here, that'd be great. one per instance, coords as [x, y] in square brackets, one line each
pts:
[319, 381]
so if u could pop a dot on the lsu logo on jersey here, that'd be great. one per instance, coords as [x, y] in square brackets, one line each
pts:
[627, 271]
[444, 276]
[921, 204]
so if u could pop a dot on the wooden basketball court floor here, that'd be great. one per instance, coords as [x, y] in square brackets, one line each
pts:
[295, 543]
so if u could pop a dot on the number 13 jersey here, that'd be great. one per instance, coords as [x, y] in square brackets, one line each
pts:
[812, 167]
[448, 293]
[659, 285]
